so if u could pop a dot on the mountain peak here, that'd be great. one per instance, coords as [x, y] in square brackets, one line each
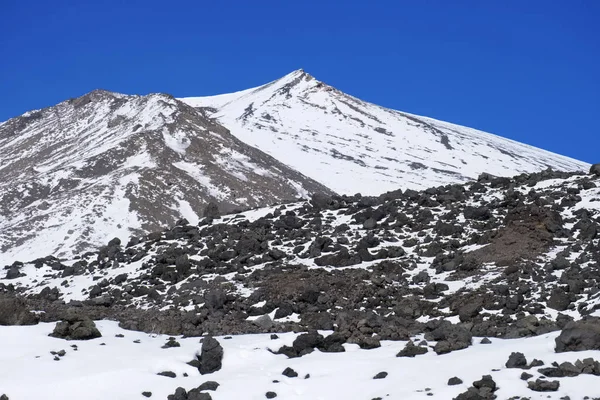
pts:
[353, 146]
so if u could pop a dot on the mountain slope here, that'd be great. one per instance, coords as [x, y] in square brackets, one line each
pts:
[405, 283]
[77, 174]
[353, 146]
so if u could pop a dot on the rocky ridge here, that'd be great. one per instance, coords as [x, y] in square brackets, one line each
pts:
[77, 174]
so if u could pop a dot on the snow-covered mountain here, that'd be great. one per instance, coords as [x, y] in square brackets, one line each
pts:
[107, 165]
[352, 146]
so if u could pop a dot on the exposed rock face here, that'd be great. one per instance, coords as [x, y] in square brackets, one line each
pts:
[579, 336]
[595, 169]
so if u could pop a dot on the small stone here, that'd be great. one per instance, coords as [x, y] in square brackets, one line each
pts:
[381, 375]
[454, 381]
[290, 373]
[525, 376]
[168, 374]
[209, 385]
[147, 394]
[270, 395]
[485, 341]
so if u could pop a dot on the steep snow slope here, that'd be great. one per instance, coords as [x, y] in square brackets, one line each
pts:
[353, 146]
[77, 174]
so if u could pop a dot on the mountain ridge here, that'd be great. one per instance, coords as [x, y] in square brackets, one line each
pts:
[108, 164]
[333, 132]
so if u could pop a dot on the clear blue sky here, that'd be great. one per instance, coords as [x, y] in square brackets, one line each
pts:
[527, 70]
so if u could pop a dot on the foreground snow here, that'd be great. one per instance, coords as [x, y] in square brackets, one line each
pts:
[122, 369]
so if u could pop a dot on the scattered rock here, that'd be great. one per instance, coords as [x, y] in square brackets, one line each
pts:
[516, 360]
[171, 342]
[411, 350]
[168, 374]
[381, 375]
[543, 386]
[290, 373]
[454, 381]
[209, 385]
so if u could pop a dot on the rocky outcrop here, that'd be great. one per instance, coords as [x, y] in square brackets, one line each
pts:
[76, 327]
[579, 336]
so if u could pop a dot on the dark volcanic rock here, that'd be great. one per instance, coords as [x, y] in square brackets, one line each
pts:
[211, 356]
[579, 336]
[411, 350]
[381, 375]
[595, 169]
[290, 373]
[14, 311]
[76, 328]
[543, 386]
[449, 337]
[516, 360]
[454, 381]
[208, 385]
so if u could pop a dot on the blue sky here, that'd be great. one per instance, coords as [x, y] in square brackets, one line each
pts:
[527, 70]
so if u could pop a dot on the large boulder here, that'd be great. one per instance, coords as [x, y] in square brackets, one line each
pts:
[579, 336]
[449, 337]
[211, 356]
[211, 211]
[76, 327]
[14, 311]
[595, 169]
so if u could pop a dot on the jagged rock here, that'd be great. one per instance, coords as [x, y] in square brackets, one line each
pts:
[76, 327]
[306, 342]
[211, 356]
[525, 376]
[208, 385]
[290, 373]
[540, 385]
[410, 350]
[449, 337]
[595, 169]
[579, 336]
[516, 360]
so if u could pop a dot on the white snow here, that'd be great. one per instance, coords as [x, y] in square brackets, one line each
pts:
[352, 146]
[122, 369]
